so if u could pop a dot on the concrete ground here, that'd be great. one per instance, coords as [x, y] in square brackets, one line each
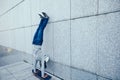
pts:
[19, 71]
[12, 66]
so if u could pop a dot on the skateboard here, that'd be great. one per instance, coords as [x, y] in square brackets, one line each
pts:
[38, 75]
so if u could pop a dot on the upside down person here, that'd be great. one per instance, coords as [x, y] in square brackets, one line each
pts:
[37, 42]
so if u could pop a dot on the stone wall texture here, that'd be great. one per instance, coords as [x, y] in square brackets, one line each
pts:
[82, 37]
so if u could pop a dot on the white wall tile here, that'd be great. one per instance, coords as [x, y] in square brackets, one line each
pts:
[62, 71]
[3, 5]
[28, 40]
[12, 3]
[20, 39]
[12, 39]
[48, 41]
[9, 20]
[83, 43]
[20, 15]
[7, 4]
[34, 28]
[81, 8]
[35, 10]
[12, 18]
[0, 37]
[17, 17]
[90, 49]
[6, 38]
[108, 5]
[108, 28]
[4, 23]
[25, 10]
[62, 42]
[56, 9]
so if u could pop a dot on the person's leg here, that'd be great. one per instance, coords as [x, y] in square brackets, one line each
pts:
[45, 21]
[41, 30]
[36, 35]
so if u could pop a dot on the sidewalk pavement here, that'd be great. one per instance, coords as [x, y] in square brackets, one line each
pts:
[19, 71]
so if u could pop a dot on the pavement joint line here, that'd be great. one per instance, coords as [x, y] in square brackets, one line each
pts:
[24, 69]
[31, 74]
[103, 77]
[90, 72]
[11, 74]
[54, 75]
[50, 73]
[83, 70]
[77, 69]
[28, 76]
[17, 72]
[14, 64]
[9, 65]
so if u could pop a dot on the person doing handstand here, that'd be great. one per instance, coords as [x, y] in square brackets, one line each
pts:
[37, 42]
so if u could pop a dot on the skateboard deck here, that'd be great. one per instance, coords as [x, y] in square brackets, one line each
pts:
[38, 75]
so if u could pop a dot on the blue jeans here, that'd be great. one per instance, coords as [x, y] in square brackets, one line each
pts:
[38, 37]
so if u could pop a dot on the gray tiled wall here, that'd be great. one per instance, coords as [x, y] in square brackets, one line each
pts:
[62, 42]
[83, 43]
[109, 5]
[80, 8]
[108, 27]
[81, 40]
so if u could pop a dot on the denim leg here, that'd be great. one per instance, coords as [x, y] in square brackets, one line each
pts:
[42, 27]
[36, 33]
[38, 38]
